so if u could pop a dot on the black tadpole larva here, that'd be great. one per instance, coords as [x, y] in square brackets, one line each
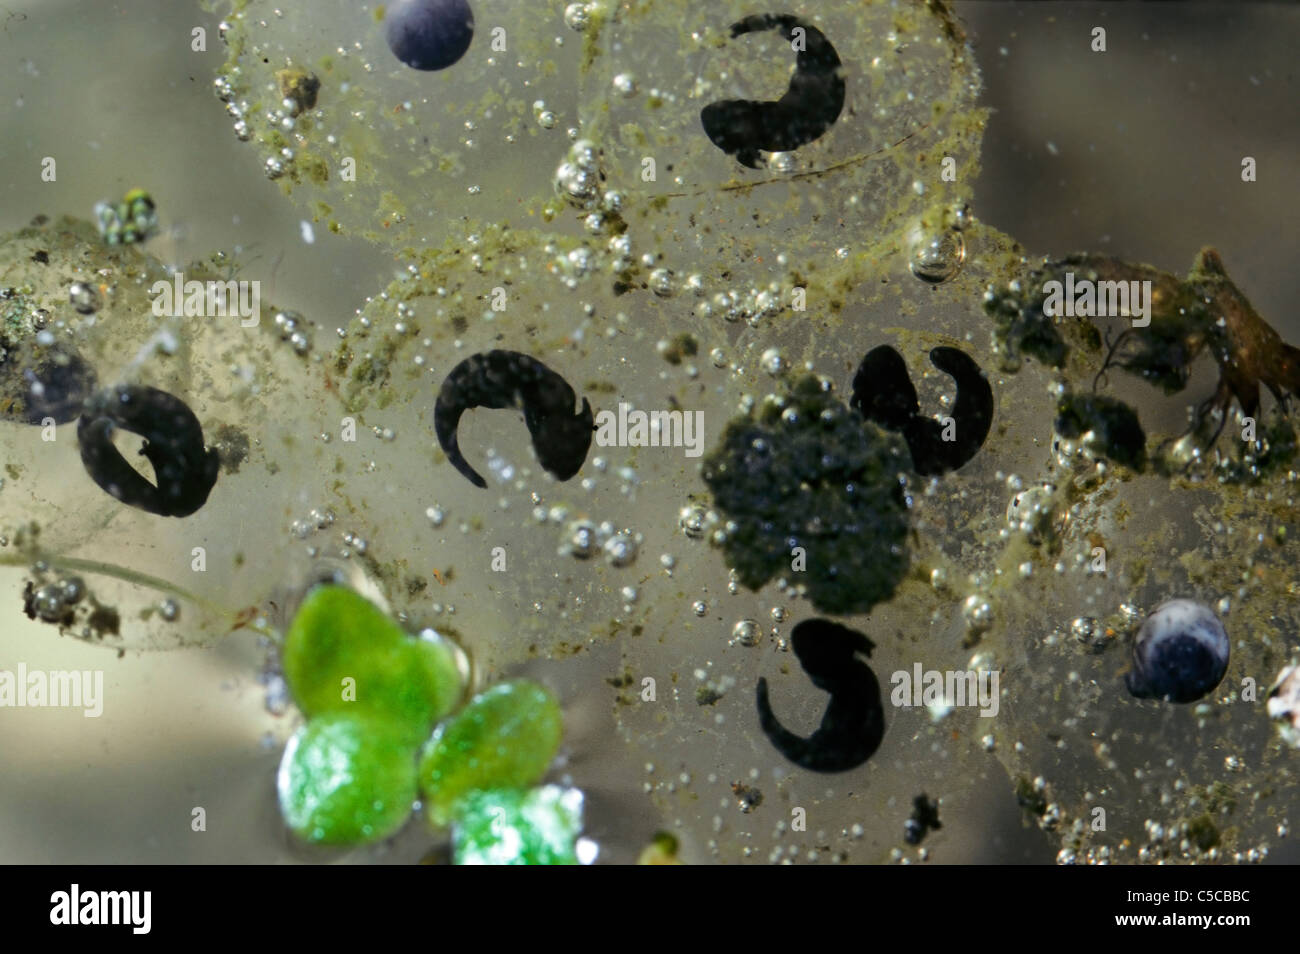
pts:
[811, 105]
[854, 721]
[185, 470]
[883, 393]
[500, 379]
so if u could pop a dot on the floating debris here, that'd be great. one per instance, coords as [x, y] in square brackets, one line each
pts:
[133, 219]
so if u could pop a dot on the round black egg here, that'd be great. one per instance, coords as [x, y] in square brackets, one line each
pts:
[1180, 654]
[53, 386]
[429, 34]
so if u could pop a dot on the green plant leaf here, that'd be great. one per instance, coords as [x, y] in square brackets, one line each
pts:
[346, 779]
[517, 827]
[343, 654]
[504, 738]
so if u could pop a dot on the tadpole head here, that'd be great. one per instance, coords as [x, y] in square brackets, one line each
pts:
[882, 389]
[734, 126]
[563, 440]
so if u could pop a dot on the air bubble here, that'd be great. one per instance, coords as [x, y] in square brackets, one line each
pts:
[621, 549]
[692, 522]
[939, 258]
[978, 613]
[746, 632]
[661, 282]
[49, 604]
[577, 16]
[577, 180]
[84, 298]
[782, 162]
[580, 540]
[625, 84]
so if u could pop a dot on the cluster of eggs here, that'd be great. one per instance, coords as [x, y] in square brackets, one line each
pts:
[649, 236]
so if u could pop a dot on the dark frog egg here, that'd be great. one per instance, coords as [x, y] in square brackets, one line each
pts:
[429, 34]
[51, 383]
[1180, 654]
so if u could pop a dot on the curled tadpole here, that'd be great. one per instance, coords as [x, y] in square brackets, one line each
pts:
[185, 470]
[810, 106]
[54, 384]
[854, 721]
[883, 393]
[500, 379]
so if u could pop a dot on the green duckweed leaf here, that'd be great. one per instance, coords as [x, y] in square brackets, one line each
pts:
[516, 827]
[346, 779]
[343, 654]
[504, 738]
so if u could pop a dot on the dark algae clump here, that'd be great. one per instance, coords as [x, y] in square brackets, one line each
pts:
[812, 492]
[1021, 327]
[1113, 426]
[1206, 313]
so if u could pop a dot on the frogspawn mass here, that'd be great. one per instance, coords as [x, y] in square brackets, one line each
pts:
[904, 464]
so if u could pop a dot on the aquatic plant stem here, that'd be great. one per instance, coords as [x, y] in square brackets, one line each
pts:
[127, 575]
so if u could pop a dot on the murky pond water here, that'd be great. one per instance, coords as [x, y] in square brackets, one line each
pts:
[798, 266]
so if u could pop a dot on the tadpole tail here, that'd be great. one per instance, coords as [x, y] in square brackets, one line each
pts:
[446, 418]
[973, 408]
[110, 469]
[798, 750]
[972, 414]
[849, 734]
